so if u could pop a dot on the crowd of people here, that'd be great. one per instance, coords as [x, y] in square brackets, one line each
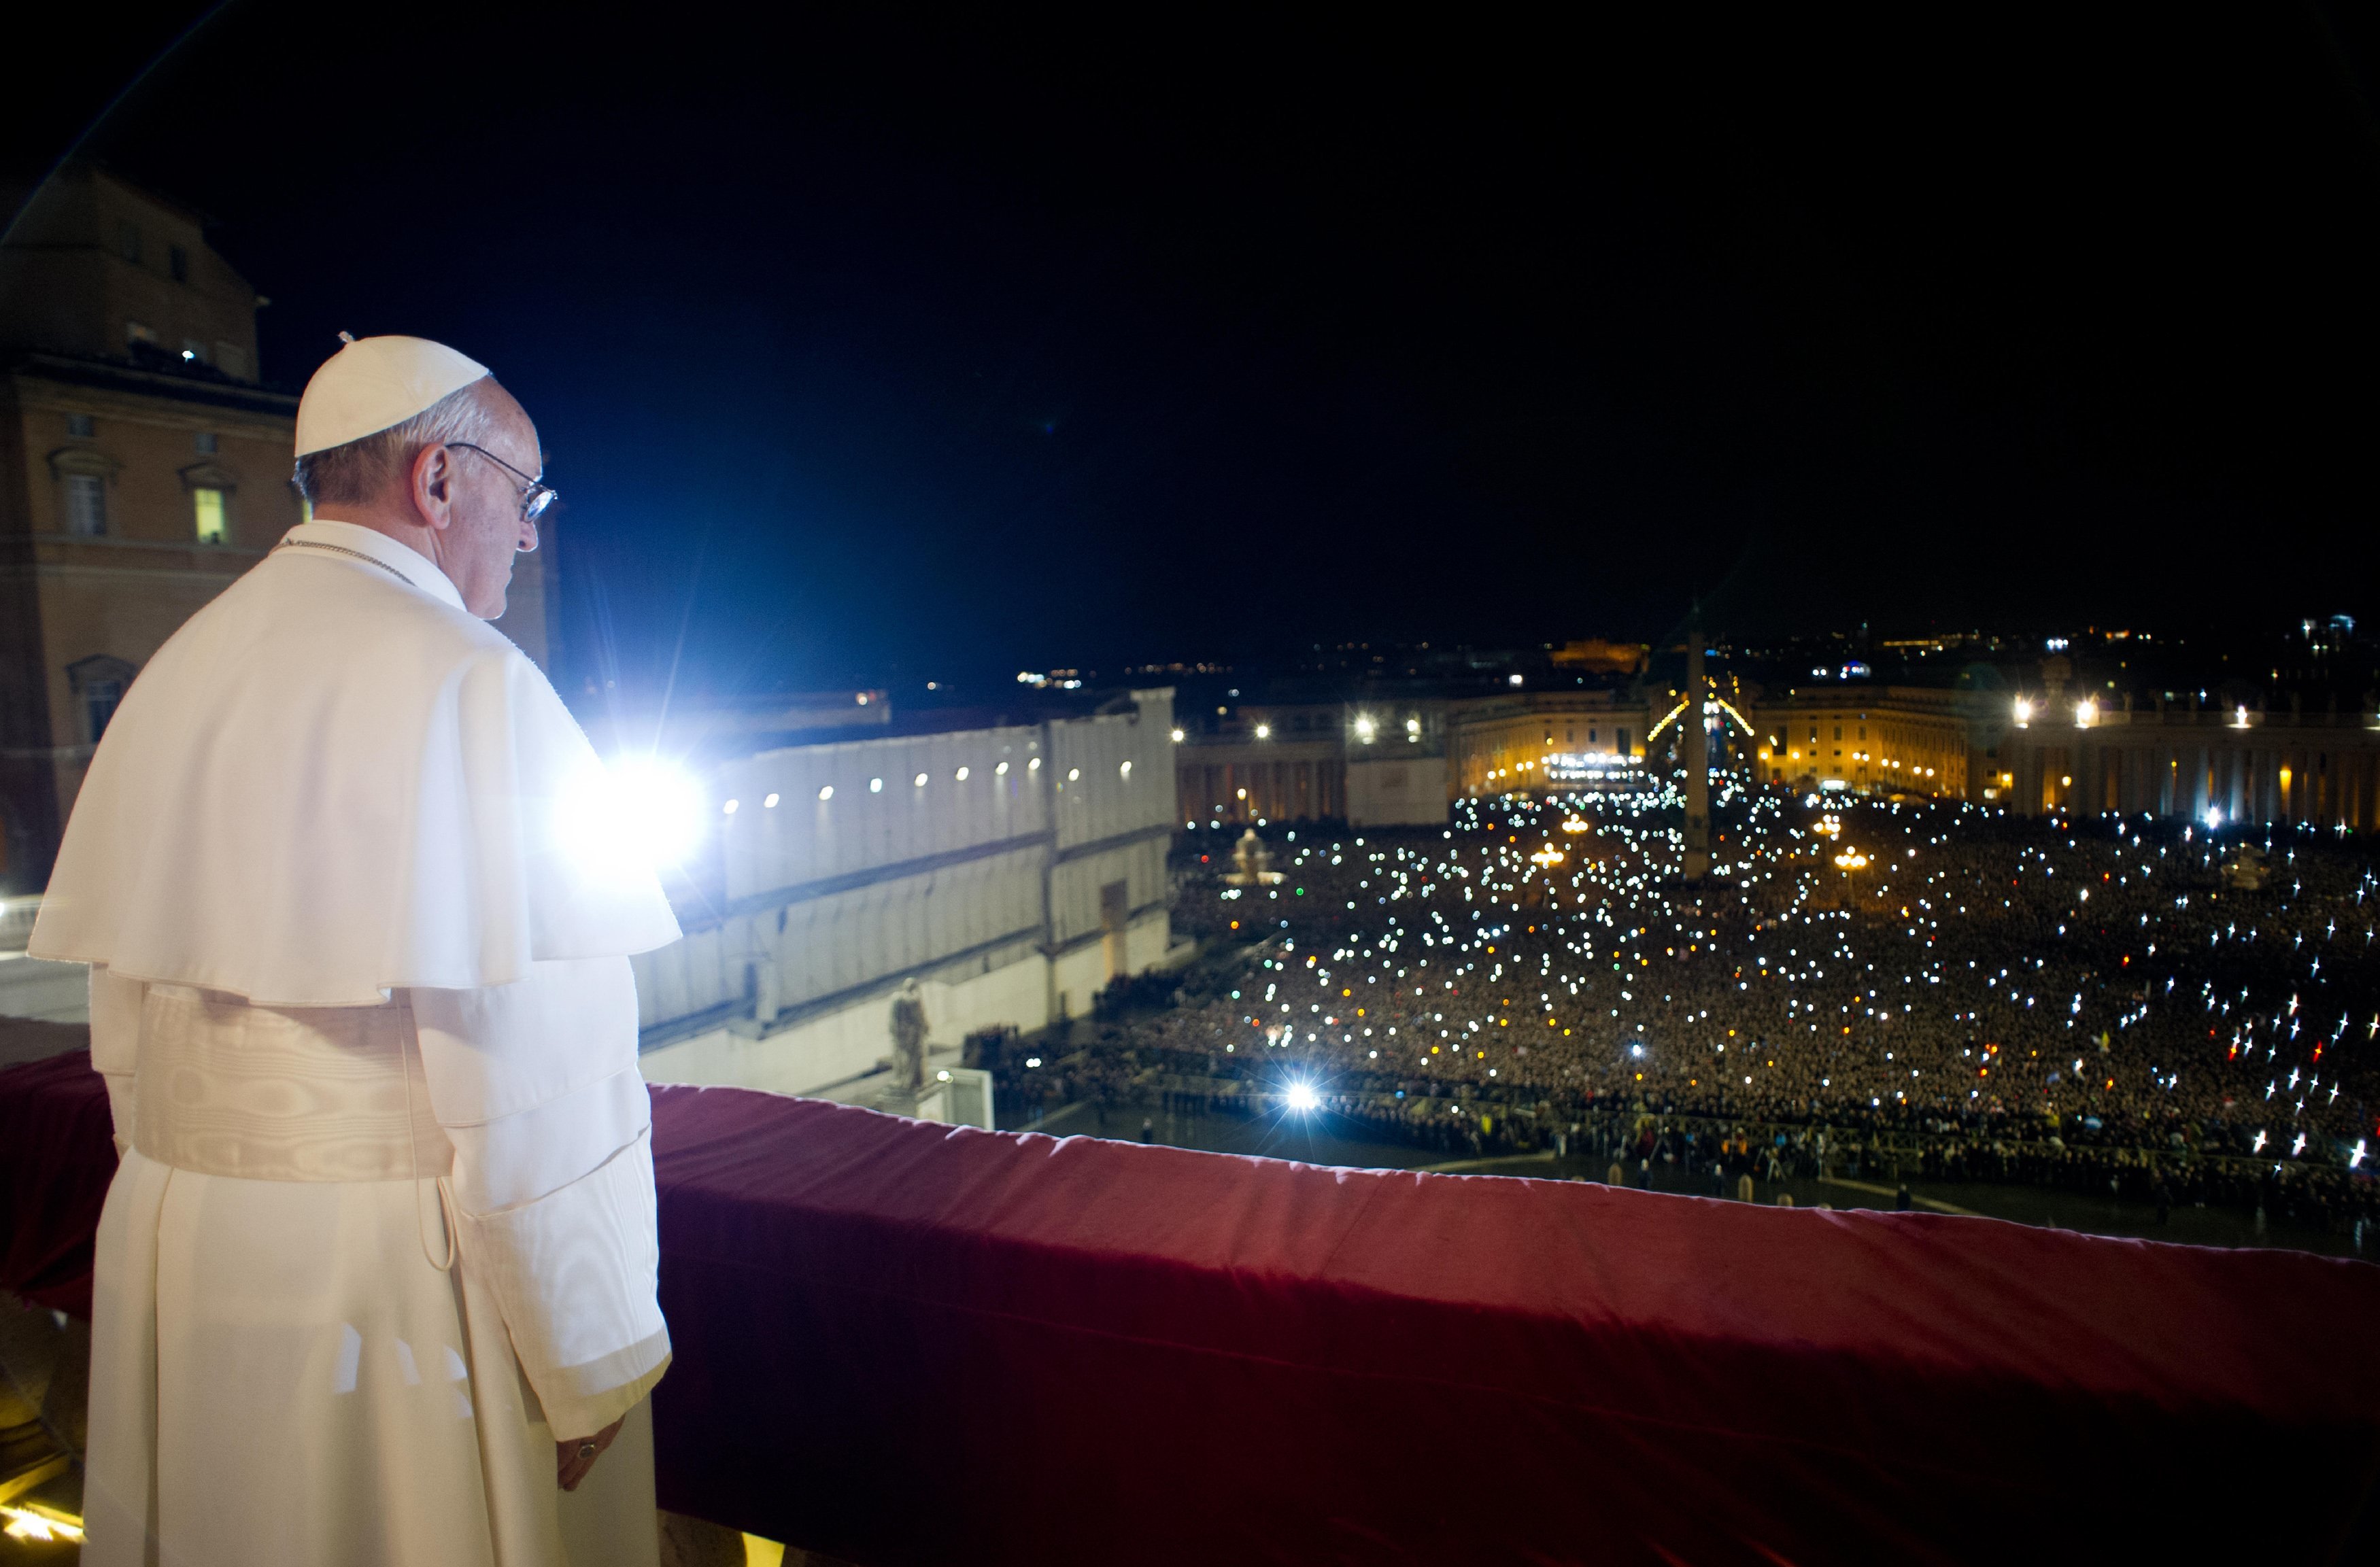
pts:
[1947, 988]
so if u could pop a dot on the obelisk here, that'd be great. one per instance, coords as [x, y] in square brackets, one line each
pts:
[1697, 754]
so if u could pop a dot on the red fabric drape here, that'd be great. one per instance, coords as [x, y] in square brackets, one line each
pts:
[57, 1157]
[903, 1342]
[906, 1342]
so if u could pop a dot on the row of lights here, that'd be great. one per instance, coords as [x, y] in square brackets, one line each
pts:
[876, 785]
[1910, 767]
[1368, 729]
[2086, 713]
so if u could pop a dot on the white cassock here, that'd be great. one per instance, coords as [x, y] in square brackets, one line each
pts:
[358, 907]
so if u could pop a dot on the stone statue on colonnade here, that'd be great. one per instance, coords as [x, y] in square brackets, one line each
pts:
[909, 1025]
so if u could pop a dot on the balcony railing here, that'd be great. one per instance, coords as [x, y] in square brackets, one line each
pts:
[904, 1342]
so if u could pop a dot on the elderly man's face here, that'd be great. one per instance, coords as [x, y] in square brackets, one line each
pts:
[486, 528]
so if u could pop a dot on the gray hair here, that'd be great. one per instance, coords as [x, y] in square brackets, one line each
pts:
[362, 468]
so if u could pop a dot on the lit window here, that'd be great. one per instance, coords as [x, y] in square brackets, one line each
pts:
[209, 506]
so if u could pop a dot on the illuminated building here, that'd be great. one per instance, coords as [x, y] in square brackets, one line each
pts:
[1519, 741]
[2214, 764]
[1889, 740]
[1013, 870]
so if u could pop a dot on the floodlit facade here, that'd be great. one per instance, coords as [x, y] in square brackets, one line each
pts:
[2215, 765]
[1398, 761]
[1013, 871]
[1870, 740]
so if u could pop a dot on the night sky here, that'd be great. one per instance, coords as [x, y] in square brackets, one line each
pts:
[873, 349]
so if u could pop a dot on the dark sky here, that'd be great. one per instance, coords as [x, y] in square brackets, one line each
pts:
[888, 346]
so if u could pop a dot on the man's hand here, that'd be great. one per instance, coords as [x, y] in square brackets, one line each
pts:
[571, 1461]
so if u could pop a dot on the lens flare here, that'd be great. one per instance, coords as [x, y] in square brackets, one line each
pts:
[638, 814]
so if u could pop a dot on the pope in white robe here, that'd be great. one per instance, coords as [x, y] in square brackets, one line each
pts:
[376, 1278]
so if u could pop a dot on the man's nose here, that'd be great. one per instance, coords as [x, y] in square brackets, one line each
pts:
[527, 543]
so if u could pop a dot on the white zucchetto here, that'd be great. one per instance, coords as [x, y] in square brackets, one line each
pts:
[374, 383]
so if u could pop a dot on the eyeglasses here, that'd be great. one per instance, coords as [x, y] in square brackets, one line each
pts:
[536, 493]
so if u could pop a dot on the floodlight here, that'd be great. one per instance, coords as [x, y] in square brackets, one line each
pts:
[639, 813]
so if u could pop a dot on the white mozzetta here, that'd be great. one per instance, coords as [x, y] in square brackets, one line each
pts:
[332, 783]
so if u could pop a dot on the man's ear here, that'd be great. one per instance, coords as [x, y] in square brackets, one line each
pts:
[433, 486]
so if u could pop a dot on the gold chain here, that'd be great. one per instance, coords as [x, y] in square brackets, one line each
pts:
[343, 550]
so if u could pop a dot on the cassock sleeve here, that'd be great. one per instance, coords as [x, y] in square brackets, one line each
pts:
[115, 1006]
[537, 1086]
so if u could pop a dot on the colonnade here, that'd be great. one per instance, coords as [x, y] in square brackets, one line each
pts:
[2321, 770]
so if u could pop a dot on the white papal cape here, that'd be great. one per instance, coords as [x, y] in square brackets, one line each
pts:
[353, 890]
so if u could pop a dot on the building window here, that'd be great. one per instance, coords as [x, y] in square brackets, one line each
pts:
[99, 703]
[86, 495]
[209, 506]
[99, 683]
[128, 242]
[80, 426]
[177, 261]
[137, 334]
[205, 441]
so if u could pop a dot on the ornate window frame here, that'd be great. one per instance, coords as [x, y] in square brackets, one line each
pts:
[84, 462]
[211, 475]
[85, 676]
